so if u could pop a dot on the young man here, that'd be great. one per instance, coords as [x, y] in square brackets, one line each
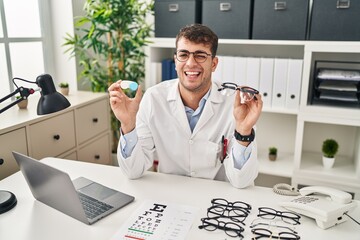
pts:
[185, 123]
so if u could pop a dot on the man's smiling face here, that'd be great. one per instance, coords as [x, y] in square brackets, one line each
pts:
[194, 76]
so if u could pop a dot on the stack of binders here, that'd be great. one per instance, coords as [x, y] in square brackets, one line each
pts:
[168, 69]
[277, 79]
[337, 87]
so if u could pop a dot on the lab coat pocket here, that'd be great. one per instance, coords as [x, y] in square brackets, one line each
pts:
[209, 153]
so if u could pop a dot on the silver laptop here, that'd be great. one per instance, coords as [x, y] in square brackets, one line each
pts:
[82, 199]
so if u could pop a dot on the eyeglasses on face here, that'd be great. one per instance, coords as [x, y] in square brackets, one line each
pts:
[263, 233]
[199, 56]
[246, 93]
[231, 229]
[288, 217]
[235, 214]
[224, 203]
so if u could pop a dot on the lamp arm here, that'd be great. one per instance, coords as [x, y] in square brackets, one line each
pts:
[10, 95]
[24, 92]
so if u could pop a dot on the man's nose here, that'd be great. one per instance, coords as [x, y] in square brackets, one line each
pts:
[191, 59]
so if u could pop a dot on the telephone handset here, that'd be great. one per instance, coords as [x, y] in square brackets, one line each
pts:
[326, 205]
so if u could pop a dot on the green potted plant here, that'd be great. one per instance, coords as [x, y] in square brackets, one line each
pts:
[329, 149]
[64, 88]
[272, 153]
[109, 43]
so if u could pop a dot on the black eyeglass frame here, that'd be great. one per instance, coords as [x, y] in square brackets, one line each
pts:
[194, 54]
[235, 214]
[281, 235]
[235, 87]
[256, 225]
[266, 211]
[206, 224]
[216, 202]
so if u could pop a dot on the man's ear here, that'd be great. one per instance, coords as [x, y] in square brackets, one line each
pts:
[175, 60]
[215, 62]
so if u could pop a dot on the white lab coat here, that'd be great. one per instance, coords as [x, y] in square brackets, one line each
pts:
[164, 134]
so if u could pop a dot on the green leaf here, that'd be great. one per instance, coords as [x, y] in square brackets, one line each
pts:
[93, 51]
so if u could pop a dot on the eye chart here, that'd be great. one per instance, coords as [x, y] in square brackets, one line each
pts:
[155, 220]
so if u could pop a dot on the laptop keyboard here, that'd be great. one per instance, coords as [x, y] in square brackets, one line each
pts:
[93, 207]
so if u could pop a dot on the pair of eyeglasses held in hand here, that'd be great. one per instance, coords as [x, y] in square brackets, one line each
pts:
[246, 93]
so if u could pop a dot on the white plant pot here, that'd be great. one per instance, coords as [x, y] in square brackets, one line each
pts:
[328, 162]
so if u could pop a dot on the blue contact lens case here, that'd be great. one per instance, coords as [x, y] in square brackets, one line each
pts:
[126, 84]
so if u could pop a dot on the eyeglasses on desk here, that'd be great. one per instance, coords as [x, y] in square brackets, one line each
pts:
[226, 216]
[234, 205]
[230, 228]
[270, 213]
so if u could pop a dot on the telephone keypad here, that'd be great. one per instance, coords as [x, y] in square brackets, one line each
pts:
[305, 199]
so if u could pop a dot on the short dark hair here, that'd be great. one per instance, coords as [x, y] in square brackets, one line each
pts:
[198, 33]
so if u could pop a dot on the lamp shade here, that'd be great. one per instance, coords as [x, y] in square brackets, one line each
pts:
[50, 100]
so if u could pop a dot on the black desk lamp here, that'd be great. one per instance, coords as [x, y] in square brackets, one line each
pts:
[49, 102]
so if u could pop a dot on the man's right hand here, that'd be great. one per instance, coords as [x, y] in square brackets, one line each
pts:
[124, 108]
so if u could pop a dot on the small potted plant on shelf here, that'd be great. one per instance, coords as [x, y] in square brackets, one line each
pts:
[23, 104]
[272, 153]
[64, 88]
[329, 149]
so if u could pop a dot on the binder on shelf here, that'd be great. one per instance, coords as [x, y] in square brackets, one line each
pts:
[266, 80]
[253, 72]
[156, 75]
[173, 73]
[279, 83]
[228, 66]
[166, 69]
[293, 83]
[217, 75]
[240, 71]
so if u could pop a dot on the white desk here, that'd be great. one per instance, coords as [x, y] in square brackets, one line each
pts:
[31, 219]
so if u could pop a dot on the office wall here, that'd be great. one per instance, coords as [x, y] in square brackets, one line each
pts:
[61, 14]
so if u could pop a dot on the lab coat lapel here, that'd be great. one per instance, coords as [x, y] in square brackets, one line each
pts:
[177, 107]
[209, 111]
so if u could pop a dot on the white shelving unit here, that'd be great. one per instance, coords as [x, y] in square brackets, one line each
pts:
[298, 134]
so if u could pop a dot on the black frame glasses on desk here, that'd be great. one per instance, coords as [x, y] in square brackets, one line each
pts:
[270, 223]
[234, 205]
[237, 215]
[270, 213]
[227, 216]
[246, 93]
[264, 233]
[230, 228]
[273, 229]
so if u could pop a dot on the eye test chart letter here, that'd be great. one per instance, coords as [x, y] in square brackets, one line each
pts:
[155, 220]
